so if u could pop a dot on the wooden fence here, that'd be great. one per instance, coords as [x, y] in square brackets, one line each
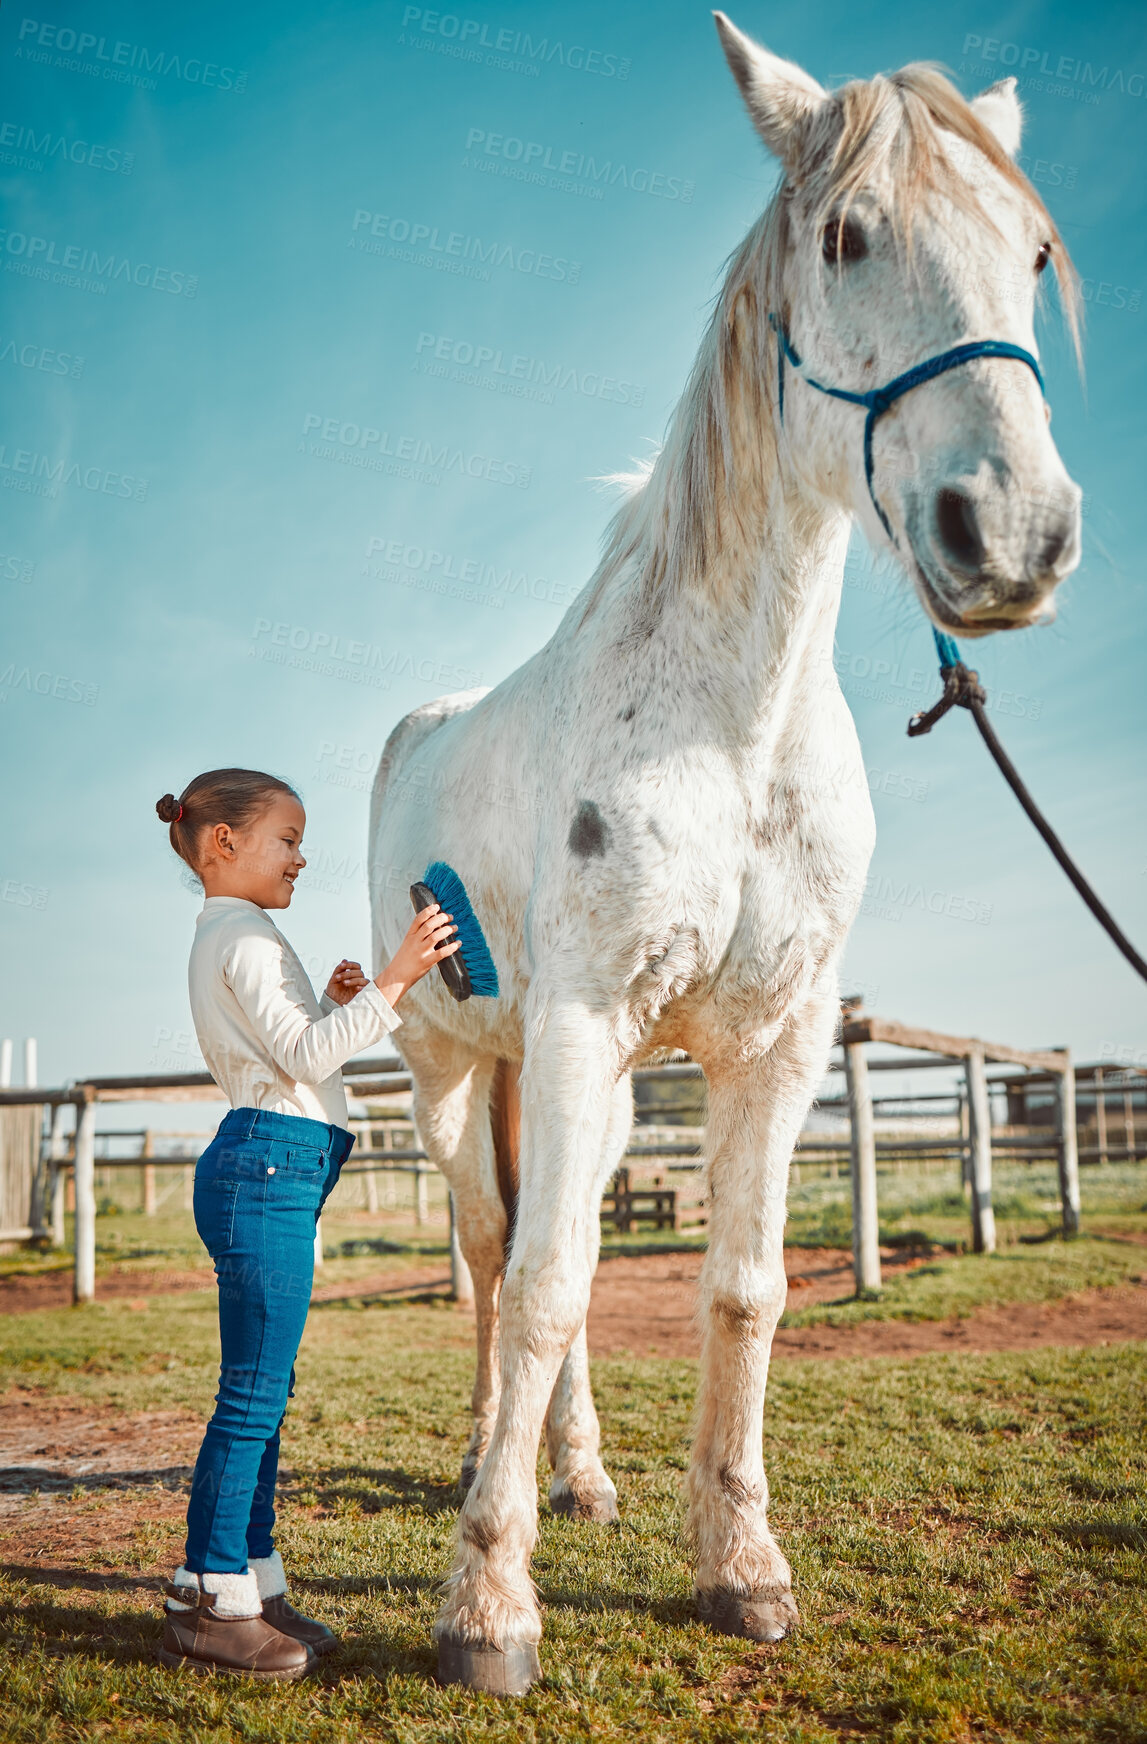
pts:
[38, 1154]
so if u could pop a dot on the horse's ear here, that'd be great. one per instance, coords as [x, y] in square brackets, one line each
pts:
[778, 95]
[1001, 112]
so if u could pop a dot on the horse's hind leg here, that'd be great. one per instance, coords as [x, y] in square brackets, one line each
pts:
[581, 1485]
[452, 1095]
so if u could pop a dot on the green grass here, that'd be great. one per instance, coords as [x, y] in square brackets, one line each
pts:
[966, 1534]
[929, 1202]
[951, 1284]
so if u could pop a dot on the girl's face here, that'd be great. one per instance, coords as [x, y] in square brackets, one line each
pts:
[261, 862]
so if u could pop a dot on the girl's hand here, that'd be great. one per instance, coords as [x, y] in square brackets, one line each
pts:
[346, 980]
[428, 940]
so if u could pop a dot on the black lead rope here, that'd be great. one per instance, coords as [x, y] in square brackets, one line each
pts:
[962, 689]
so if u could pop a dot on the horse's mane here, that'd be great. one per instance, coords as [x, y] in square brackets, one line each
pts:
[693, 500]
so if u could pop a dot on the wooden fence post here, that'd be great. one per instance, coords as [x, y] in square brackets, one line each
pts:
[421, 1204]
[318, 1241]
[461, 1283]
[1100, 1116]
[148, 1173]
[5, 1063]
[84, 1285]
[1068, 1149]
[865, 1215]
[41, 1179]
[57, 1152]
[980, 1135]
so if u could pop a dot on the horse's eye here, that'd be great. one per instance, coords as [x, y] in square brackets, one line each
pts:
[1043, 255]
[841, 244]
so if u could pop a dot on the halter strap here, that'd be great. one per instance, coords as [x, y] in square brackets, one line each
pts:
[877, 401]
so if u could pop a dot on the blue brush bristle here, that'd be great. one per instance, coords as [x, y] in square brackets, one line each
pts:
[450, 892]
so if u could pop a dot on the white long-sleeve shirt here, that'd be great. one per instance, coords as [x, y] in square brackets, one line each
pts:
[262, 1032]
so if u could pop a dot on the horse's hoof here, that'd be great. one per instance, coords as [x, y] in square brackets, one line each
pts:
[766, 1616]
[601, 1508]
[482, 1667]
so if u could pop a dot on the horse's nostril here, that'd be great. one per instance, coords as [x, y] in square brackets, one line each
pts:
[957, 530]
[1052, 548]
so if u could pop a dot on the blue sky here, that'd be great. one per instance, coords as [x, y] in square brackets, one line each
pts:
[228, 236]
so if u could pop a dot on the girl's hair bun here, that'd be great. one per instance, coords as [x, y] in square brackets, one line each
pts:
[168, 808]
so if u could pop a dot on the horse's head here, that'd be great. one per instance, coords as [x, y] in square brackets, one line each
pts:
[903, 229]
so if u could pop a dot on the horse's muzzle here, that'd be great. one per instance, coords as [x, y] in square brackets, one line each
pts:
[991, 561]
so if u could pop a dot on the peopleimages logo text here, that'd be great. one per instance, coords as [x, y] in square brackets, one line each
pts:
[477, 33]
[1036, 62]
[23, 145]
[490, 362]
[35, 254]
[368, 448]
[121, 59]
[596, 172]
[457, 252]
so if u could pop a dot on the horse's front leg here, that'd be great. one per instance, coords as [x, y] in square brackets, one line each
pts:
[755, 1115]
[489, 1624]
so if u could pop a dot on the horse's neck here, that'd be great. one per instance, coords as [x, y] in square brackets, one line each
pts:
[752, 635]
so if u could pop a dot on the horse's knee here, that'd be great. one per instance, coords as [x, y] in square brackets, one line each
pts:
[546, 1318]
[748, 1310]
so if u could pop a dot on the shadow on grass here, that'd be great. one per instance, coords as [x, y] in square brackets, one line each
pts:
[614, 1247]
[27, 1479]
[1118, 1533]
[374, 1489]
[400, 1296]
[362, 1245]
[123, 1637]
[673, 1613]
[83, 1579]
[132, 1638]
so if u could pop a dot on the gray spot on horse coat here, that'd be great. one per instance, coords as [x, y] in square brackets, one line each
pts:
[482, 1536]
[589, 832]
[735, 1489]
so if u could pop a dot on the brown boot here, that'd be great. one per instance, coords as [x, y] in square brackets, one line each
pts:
[241, 1646]
[282, 1615]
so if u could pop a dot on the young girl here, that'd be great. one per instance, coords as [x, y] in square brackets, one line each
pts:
[259, 1188]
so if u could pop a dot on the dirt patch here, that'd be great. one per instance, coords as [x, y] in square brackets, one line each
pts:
[389, 1287]
[1114, 1316]
[53, 1442]
[645, 1305]
[24, 1292]
[62, 1460]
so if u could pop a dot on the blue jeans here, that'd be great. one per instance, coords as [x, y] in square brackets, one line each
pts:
[259, 1188]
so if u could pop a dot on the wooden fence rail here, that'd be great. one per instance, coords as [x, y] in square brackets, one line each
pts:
[975, 1146]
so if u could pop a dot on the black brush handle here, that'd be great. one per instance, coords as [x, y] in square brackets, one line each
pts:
[452, 969]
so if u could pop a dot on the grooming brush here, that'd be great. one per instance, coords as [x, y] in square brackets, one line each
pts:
[471, 968]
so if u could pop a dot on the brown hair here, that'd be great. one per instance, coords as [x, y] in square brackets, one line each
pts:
[221, 796]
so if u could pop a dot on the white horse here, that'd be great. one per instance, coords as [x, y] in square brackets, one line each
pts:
[661, 818]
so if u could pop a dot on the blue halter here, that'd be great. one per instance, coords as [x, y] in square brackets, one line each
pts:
[877, 401]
